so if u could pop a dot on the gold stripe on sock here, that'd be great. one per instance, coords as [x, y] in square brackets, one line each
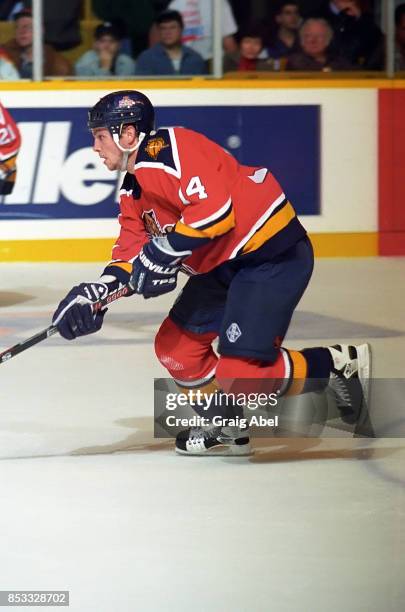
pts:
[299, 373]
[209, 388]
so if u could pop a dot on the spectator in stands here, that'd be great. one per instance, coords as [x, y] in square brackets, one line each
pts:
[197, 17]
[356, 37]
[400, 37]
[315, 37]
[20, 50]
[286, 40]
[138, 16]
[8, 72]
[105, 58]
[249, 55]
[61, 20]
[170, 56]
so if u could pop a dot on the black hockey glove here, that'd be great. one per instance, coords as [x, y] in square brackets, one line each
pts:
[156, 268]
[74, 316]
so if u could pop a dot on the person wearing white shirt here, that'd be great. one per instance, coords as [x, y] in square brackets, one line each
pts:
[197, 16]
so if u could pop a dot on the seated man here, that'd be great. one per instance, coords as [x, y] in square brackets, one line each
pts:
[316, 36]
[288, 20]
[105, 59]
[20, 50]
[170, 56]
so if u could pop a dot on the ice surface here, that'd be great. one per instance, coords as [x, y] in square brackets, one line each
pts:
[92, 503]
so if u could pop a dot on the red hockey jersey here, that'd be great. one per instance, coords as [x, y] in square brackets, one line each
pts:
[10, 142]
[186, 183]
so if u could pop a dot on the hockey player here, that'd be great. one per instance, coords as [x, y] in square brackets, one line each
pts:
[187, 205]
[10, 142]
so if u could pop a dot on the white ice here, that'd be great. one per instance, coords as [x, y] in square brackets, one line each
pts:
[90, 502]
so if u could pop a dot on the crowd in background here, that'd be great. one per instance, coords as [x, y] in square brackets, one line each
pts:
[174, 37]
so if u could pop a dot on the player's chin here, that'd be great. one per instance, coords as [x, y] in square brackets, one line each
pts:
[110, 164]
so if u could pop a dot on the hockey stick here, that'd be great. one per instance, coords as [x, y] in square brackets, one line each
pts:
[52, 329]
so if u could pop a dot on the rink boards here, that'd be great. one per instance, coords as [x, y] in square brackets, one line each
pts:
[337, 148]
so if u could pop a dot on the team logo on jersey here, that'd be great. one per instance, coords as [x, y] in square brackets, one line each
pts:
[233, 332]
[152, 225]
[154, 146]
[126, 102]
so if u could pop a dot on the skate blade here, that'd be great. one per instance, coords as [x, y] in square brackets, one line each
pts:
[223, 450]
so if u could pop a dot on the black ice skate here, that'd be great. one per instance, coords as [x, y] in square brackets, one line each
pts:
[219, 441]
[350, 379]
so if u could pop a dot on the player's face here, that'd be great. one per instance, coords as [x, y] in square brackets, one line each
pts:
[106, 148]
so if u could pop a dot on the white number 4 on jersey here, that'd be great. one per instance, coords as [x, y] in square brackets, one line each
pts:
[195, 186]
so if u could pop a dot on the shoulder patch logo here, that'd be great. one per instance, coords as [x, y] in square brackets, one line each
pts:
[154, 146]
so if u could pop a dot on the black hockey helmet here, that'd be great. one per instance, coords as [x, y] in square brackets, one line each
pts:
[120, 108]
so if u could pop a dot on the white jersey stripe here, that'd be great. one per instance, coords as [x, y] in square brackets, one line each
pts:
[182, 198]
[159, 165]
[175, 151]
[125, 192]
[190, 384]
[258, 224]
[215, 215]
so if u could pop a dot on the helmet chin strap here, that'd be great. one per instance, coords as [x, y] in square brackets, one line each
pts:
[127, 152]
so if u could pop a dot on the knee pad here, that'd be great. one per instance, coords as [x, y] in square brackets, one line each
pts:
[188, 357]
